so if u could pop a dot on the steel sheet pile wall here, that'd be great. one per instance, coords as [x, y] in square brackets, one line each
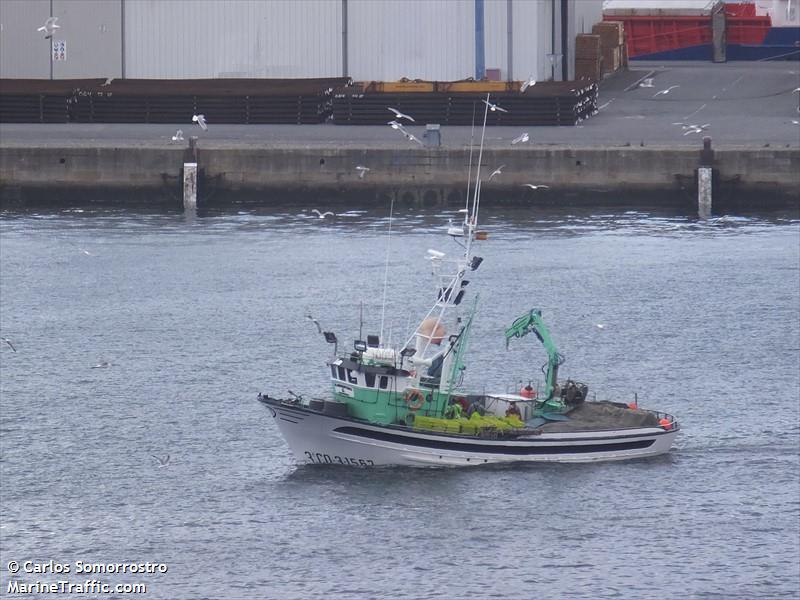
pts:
[168, 101]
[546, 103]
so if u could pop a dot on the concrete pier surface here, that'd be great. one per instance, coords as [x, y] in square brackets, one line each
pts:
[634, 145]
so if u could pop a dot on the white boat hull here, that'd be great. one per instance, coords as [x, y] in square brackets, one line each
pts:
[317, 438]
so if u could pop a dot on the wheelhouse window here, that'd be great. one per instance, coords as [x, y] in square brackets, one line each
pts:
[333, 371]
[384, 382]
[352, 377]
[342, 375]
[370, 378]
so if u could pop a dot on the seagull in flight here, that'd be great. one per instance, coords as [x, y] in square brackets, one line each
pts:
[796, 90]
[647, 82]
[8, 341]
[523, 137]
[396, 125]
[315, 322]
[399, 115]
[666, 91]
[200, 120]
[162, 461]
[178, 137]
[107, 82]
[695, 128]
[494, 107]
[497, 171]
[49, 27]
[410, 136]
[536, 187]
[322, 215]
[526, 84]
[362, 170]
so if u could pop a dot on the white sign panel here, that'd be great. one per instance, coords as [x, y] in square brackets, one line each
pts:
[60, 50]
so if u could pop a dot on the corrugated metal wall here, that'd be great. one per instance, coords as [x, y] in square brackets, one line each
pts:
[91, 30]
[386, 39]
[23, 51]
[424, 39]
[93, 33]
[232, 38]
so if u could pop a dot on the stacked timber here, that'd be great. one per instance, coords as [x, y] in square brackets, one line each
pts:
[246, 101]
[461, 103]
[588, 57]
[612, 44]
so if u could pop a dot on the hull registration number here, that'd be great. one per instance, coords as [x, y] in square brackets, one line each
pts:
[319, 458]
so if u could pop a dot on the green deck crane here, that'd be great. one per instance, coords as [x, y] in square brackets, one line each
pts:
[532, 322]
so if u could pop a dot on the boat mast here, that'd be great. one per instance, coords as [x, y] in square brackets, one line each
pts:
[386, 270]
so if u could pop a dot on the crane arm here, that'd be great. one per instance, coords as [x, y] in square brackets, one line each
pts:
[532, 323]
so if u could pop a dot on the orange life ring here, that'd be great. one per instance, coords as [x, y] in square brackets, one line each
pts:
[414, 399]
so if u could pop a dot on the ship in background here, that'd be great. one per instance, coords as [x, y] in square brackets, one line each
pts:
[683, 29]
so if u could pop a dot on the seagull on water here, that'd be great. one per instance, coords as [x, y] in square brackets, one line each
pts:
[200, 120]
[494, 107]
[536, 187]
[178, 137]
[666, 91]
[315, 322]
[103, 365]
[362, 170]
[8, 341]
[322, 215]
[523, 137]
[497, 171]
[399, 115]
[530, 82]
[162, 461]
[49, 27]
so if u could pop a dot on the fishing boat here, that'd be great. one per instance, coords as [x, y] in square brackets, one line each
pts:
[409, 405]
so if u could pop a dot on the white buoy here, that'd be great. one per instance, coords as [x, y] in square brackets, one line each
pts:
[704, 192]
[190, 186]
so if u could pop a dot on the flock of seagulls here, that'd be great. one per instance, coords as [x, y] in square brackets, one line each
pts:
[396, 125]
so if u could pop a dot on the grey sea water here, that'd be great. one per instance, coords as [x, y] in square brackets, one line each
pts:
[197, 315]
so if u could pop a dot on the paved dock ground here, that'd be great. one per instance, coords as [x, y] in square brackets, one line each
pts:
[745, 104]
[634, 147]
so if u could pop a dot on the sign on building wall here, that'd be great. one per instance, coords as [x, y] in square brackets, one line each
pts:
[60, 50]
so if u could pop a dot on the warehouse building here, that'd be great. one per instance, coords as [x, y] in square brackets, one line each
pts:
[367, 40]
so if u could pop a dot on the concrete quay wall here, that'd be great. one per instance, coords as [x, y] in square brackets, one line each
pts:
[67, 173]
